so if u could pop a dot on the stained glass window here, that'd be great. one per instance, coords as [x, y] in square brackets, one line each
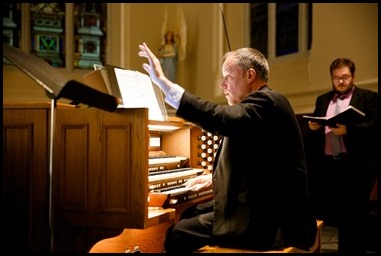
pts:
[90, 34]
[259, 26]
[68, 35]
[48, 32]
[278, 26]
[287, 25]
[11, 25]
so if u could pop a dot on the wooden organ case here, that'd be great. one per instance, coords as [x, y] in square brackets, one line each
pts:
[100, 177]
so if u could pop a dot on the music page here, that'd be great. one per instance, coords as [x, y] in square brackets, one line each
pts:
[137, 91]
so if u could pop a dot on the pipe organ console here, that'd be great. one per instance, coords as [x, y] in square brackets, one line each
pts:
[115, 176]
[168, 173]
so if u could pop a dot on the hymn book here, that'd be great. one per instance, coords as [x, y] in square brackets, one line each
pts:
[349, 115]
[133, 89]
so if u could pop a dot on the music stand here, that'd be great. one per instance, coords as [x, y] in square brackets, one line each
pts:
[57, 85]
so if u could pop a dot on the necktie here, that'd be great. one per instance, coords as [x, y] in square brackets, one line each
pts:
[336, 146]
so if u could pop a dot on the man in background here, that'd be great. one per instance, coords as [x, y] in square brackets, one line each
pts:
[344, 158]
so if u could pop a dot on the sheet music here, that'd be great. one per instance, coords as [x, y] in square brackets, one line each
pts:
[137, 91]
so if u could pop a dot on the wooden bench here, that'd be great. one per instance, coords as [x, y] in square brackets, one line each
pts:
[316, 248]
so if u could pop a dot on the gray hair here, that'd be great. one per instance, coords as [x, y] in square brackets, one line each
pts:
[248, 58]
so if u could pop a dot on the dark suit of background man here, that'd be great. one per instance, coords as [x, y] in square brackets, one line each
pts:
[342, 182]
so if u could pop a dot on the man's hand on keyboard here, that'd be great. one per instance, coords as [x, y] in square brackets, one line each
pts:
[199, 182]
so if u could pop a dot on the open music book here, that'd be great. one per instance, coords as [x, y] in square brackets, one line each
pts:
[133, 88]
[349, 115]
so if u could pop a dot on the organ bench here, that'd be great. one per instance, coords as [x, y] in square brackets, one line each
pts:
[316, 248]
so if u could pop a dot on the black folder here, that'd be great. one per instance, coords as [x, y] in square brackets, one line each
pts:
[56, 84]
[350, 115]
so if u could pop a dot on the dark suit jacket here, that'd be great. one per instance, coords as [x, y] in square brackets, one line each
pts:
[362, 139]
[259, 177]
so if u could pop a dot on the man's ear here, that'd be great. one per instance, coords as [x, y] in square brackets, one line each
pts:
[251, 75]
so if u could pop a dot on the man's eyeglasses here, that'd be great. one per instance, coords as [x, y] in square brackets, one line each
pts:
[344, 78]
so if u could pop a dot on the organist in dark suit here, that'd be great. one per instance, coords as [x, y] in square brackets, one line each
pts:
[259, 176]
[342, 181]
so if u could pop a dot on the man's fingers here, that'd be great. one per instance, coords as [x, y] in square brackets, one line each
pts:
[147, 67]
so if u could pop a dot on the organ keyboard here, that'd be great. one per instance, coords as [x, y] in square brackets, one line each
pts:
[166, 177]
[159, 161]
[170, 197]
[166, 160]
[173, 174]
